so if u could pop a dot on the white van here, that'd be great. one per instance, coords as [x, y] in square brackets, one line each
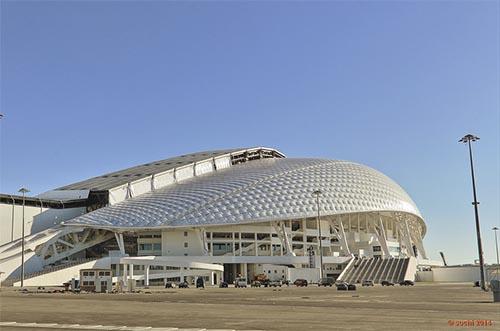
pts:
[240, 282]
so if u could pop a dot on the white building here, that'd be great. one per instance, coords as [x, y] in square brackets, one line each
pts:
[219, 214]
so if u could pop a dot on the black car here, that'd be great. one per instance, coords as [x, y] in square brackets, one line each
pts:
[342, 286]
[169, 285]
[386, 283]
[223, 285]
[407, 283]
[351, 287]
[327, 281]
[200, 283]
[183, 285]
[300, 282]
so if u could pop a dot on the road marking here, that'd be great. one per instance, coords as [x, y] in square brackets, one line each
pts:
[103, 327]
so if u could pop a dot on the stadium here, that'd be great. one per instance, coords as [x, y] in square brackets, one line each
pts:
[218, 215]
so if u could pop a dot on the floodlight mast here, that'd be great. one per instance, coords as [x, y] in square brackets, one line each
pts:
[23, 190]
[317, 194]
[467, 139]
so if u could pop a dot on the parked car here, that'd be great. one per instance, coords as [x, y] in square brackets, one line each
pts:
[351, 287]
[240, 282]
[477, 283]
[407, 283]
[183, 285]
[169, 285]
[300, 282]
[256, 283]
[386, 283]
[223, 285]
[343, 286]
[327, 281]
[275, 283]
[367, 283]
[200, 282]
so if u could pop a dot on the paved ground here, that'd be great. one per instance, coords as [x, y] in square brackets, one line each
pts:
[422, 307]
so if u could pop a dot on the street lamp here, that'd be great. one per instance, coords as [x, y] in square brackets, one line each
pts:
[317, 194]
[23, 190]
[496, 250]
[467, 140]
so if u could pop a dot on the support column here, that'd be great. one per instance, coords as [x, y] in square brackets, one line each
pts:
[119, 241]
[125, 275]
[204, 243]
[407, 238]
[255, 244]
[283, 235]
[244, 270]
[131, 271]
[146, 279]
[382, 237]
[420, 244]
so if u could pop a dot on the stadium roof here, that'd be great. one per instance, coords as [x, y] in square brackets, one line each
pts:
[117, 178]
[261, 190]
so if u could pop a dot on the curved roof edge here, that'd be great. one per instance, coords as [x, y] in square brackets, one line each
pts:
[141, 172]
[419, 219]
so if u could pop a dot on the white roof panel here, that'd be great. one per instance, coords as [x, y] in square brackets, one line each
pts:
[261, 190]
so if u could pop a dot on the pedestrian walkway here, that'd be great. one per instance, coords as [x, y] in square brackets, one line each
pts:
[99, 327]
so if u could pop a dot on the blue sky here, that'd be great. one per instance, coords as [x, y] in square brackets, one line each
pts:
[92, 87]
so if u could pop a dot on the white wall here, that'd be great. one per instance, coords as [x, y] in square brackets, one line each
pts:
[36, 219]
[172, 242]
[12, 229]
[57, 278]
[309, 274]
[12, 267]
[451, 274]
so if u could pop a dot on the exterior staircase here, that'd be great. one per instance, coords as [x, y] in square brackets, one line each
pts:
[377, 270]
[11, 280]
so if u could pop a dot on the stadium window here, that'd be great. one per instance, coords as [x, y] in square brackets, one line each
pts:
[185, 245]
[262, 236]
[222, 235]
[157, 247]
[145, 247]
[248, 236]
[185, 234]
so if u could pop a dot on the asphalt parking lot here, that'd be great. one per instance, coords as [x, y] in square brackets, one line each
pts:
[421, 307]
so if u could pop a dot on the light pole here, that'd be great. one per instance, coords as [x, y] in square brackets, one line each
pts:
[497, 269]
[23, 190]
[467, 140]
[317, 194]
